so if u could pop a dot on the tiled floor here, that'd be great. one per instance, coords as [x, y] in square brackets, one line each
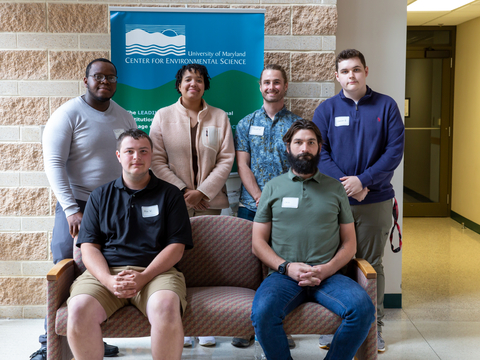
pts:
[440, 318]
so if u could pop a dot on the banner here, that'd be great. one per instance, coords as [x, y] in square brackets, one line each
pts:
[149, 46]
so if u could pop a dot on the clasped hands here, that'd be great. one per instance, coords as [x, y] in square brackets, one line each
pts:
[195, 199]
[354, 188]
[127, 283]
[305, 274]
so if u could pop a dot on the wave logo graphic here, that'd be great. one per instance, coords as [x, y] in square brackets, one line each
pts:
[161, 40]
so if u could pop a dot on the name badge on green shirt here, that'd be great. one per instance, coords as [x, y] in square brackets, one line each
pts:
[290, 202]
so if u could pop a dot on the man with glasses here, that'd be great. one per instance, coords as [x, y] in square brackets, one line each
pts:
[79, 143]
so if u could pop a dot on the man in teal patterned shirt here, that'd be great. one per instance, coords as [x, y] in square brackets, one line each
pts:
[261, 153]
[260, 150]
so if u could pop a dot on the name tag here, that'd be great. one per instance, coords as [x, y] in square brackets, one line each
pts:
[256, 130]
[149, 211]
[290, 202]
[118, 132]
[342, 121]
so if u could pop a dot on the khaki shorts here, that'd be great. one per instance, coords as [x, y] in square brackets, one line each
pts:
[172, 280]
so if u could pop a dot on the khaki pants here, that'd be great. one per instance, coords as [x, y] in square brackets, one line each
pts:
[372, 226]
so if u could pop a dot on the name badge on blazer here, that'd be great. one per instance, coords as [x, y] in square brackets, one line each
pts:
[149, 211]
[290, 202]
[256, 130]
[342, 121]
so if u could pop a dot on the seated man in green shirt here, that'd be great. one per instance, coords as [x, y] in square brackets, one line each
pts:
[303, 231]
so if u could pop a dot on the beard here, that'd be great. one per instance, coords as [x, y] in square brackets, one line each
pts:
[99, 98]
[304, 164]
[278, 97]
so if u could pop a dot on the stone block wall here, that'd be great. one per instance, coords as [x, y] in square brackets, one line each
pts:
[44, 49]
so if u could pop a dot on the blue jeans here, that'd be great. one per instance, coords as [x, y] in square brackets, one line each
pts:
[245, 213]
[278, 295]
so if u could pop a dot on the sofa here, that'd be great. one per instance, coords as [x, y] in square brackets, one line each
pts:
[221, 275]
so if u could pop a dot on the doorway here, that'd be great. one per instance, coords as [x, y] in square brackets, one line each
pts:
[428, 117]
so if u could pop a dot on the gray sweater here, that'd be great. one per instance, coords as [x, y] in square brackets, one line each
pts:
[79, 146]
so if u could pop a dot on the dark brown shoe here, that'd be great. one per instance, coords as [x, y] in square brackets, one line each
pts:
[242, 342]
[110, 350]
[291, 343]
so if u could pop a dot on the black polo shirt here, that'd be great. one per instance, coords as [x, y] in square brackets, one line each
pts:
[133, 227]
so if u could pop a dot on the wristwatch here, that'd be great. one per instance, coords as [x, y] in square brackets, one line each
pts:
[282, 268]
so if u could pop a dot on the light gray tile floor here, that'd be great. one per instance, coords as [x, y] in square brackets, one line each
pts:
[406, 340]
[440, 319]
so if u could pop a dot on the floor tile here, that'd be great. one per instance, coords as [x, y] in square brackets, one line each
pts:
[440, 319]
[19, 338]
[138, 349]
[440, 277]
[452, 340]
[404, 342]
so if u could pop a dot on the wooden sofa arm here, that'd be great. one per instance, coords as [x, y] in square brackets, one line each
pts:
[59, 280]
[366, 268]
[365, 275]
[58, 269]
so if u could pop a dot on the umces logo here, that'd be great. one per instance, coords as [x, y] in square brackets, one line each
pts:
[161, 40]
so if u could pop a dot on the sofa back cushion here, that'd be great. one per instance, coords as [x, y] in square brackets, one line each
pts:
[77, 258]
[222, 254]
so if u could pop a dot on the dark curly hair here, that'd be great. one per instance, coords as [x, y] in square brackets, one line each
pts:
[202, 70]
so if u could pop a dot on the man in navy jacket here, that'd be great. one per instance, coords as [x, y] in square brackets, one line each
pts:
[363, 136]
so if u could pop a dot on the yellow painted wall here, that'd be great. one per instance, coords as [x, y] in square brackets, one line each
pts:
[466, 129]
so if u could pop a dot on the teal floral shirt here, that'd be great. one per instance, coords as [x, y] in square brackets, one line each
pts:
[261, 137]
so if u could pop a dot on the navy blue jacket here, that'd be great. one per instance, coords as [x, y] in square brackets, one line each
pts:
[364, 140]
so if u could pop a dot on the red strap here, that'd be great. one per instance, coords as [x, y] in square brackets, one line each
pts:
[395, 224]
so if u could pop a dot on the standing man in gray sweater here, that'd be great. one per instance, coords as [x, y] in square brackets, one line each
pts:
[79, 143]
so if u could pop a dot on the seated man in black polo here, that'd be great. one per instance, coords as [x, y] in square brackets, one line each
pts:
[134, 230]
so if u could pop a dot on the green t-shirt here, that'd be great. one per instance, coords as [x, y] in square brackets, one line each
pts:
[305, 216]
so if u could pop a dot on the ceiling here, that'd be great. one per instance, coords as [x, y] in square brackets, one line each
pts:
[444, 18]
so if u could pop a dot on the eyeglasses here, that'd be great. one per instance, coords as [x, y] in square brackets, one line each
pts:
[100, 77]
